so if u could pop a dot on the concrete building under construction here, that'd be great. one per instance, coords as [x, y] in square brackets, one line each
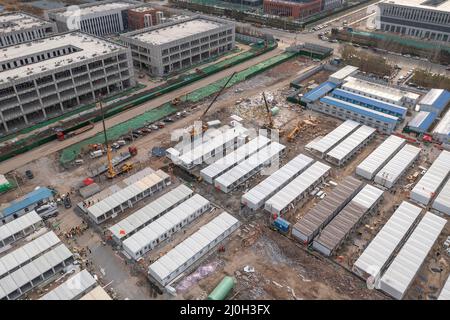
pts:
[42, 79]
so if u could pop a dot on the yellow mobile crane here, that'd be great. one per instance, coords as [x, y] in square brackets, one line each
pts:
[111, 172]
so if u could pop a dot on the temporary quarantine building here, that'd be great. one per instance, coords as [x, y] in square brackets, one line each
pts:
[373, 260]
[188, 252]
[258, 195]
[34, 273]
[428, 185]
[215, 147]
[403, 269]
[325, 144]
[141, 218]
[28, 252]
[125, 198]
[165, 226]
[345, 150]
[442, 201]
[332, 236]
[397, 166]
[232, 159]
[248, 168]
[370, 166]
[319, 216]
[19, 228]
[73, 288]
[298, 189]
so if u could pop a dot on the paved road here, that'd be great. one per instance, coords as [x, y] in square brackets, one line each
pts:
[51, 147]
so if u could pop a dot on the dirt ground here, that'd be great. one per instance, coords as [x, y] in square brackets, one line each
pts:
[283, 269]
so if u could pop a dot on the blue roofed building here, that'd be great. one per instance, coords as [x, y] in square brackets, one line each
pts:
[344, 110]
[422, 121]
[370, 103]
[27, 203]
[436, 100]
[318, 92]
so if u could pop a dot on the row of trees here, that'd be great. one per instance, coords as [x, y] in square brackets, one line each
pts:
[428, 79]
[366, 62]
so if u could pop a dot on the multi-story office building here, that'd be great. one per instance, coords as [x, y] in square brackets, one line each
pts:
[144, 17]
[293, 9]
[19, 27]
[97, 18]
[176, 45]
[428, 19]
[48, 77]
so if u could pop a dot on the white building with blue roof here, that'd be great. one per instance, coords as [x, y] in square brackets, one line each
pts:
[436, 100]
[26, 204]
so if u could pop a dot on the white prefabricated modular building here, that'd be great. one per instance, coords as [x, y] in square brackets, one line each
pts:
[297, 189]
[370, 166]
[141, 218]
[19, 228]
[210, 149]
[35, 272]
[442, 201]
[350, 145]
[325, 144]
[232, 159]
[316, 218]
[445, 292]
[403, 269]
[249, 167]
[379, 251]
[184, 255]
[73, 288]
[397, 166]
[128, 196]
[26, 253]
[429, 184]
[98, 293]
[331, 237]
[165, 226]
[339, 76]
[258, 195]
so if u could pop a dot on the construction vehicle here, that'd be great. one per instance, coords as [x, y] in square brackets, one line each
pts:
[291, 136]
[111, 173]
[269, 124]
[127, 167]
[204, 125]
[176, 101]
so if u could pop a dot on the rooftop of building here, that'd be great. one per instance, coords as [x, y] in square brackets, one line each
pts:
[97, 7]
[30, 198]
[437, 98]
[175, 31]
[143, 9]
[439, 5]
[15, 21]
[378, 89]
[86, 47]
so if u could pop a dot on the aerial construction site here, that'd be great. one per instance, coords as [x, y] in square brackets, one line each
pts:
[155, 153]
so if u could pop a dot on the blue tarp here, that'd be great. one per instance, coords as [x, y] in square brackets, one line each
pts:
[422, 121]
[319, 91]
[31, 198]
[369, 103]
[360, 110]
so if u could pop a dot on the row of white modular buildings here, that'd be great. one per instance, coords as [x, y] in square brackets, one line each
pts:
[389, 161]
[33, 257]
[342, 143]
[157, 222]
[393, 258]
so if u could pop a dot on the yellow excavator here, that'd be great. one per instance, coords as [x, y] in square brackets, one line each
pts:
[291, 136]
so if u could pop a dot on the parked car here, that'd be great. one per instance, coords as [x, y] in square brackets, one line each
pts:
[154, 127]
[29, 174]
[168, 120]
[67, 203]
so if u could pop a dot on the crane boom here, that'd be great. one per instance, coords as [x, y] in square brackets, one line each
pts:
[111, 172]
[218, 94]
[269, 113]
